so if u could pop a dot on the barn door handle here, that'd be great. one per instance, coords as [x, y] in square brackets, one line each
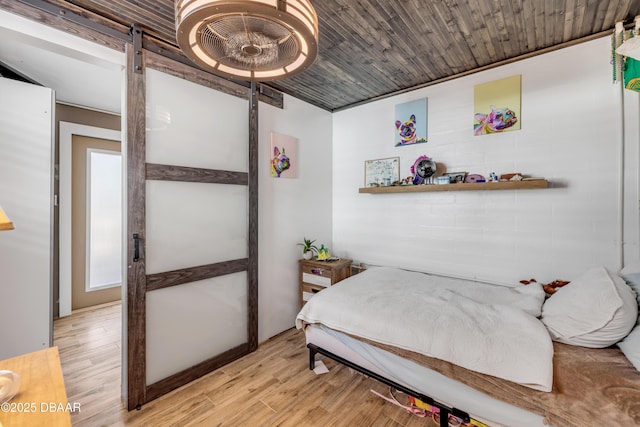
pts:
[136, 247]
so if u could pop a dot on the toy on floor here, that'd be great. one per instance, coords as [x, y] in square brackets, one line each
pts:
[423, 410]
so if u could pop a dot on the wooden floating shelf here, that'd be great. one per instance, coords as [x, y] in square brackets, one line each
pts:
[461, 186]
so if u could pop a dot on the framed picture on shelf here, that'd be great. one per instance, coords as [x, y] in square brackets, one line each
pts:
[455, 177]
[382, 172]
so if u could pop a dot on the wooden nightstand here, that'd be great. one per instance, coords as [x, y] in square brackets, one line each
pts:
[317, 275]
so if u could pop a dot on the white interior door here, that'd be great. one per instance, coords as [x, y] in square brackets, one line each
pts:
[26, 195]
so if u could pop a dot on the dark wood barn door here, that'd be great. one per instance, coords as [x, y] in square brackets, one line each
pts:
[192, 225]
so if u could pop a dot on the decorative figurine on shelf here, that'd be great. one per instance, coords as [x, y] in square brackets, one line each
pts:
[423, 169]
[474, 177]
[517, 176]
[323, 253]
[407, 181]
[308, 248]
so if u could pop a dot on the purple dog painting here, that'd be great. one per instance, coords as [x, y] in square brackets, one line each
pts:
[495, 121]
[407, 131]
[279, 162]
[411, 122]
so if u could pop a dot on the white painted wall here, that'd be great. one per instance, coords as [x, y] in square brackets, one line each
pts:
[26, 129]
[291, 208]
[571, 134]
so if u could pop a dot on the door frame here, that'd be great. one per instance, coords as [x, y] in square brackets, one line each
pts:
[66, 132]
[138, 282]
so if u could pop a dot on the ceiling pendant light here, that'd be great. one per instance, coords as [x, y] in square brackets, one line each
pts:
[250, 39]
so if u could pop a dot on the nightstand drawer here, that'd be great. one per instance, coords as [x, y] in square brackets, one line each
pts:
[317, 270]
[316, 280]
[308, 291]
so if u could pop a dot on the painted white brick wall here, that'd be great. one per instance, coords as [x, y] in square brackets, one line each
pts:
[571, 134]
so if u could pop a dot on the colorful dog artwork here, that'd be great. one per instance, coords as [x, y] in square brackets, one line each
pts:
[495, 121]
[283, 157]
[279, 162]
[407, 130]
[411, 122]
[497, 106]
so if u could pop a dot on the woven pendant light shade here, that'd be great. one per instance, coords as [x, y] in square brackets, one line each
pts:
[250, 40]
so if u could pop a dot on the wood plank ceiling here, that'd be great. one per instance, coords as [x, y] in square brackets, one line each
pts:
[372, 48]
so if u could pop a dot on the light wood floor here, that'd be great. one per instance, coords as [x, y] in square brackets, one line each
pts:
[272, 386]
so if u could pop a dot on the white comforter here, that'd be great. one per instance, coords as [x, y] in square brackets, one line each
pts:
[486, 328]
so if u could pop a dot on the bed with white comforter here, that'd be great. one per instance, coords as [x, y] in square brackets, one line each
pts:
[486, 328]
[487, 336]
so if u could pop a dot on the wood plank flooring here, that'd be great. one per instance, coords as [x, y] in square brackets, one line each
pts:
[270, 387]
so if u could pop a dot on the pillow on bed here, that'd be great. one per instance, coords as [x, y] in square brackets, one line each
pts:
[630, 346]
[596, 310]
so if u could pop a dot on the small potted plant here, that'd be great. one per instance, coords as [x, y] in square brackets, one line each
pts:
[308, 248]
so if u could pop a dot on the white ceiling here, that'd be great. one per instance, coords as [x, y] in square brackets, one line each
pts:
[81, 73]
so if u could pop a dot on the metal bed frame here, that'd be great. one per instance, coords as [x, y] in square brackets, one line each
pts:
[444, 409]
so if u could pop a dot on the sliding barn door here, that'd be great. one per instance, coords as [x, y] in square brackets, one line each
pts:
[192, 286]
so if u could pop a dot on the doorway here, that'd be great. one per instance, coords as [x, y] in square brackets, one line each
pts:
[96, 232]
[93, 332]
[72, 264]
